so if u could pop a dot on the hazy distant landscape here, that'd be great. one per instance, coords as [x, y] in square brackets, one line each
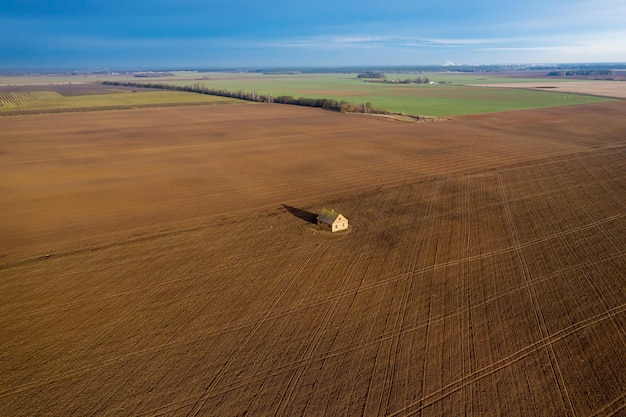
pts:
[446, 94]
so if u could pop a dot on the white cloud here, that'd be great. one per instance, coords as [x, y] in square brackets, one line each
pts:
[380, 41]
[603, 46]
[583, 46]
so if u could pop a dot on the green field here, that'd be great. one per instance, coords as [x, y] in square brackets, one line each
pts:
[455, 93]
[44, 101]
[456, 97]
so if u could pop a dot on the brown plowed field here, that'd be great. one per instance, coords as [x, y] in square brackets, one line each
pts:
[615, 89]
[162, 263]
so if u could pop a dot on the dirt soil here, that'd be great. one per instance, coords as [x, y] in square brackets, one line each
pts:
[614, 89]
[73, 89]
[163, 262]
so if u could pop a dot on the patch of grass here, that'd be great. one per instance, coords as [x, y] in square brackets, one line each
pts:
[460, 100]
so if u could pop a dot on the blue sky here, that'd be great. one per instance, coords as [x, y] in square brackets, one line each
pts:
[247, 33]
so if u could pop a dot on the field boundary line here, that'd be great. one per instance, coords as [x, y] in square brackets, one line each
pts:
[614, 412]
[606, 407]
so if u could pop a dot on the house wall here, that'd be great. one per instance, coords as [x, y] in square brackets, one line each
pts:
[340, 225]
[324, 225]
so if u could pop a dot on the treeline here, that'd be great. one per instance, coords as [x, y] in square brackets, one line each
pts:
[201, 89]
[151, 74]
[573, 73]
[372, 74]
[418, 80]
[331, 104]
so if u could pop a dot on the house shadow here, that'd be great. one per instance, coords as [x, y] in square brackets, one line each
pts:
[307, 216]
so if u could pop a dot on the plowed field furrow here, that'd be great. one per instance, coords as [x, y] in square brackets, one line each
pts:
[588, 386]
[387, 206]
[379, 388]
[334, 369]
[541, 344]
[617, 411]
[539, 315]
[427, 302]
[238, 349]
[467, 338]
[311, 347]
[606, 239]
[585, 186]
[403, 314]
[597, 176]
[599, 298]
[612, 408]
[483, 272]
[86, 271]
[170, 346]
[359, 170]
[200, 403]
[393, 336]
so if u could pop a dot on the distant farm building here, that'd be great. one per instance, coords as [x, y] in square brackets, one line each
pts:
[331, 220]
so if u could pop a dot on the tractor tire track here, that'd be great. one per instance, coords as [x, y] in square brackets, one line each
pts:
[505, 362]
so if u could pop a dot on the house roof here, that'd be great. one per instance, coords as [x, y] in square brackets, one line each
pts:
[328, 216]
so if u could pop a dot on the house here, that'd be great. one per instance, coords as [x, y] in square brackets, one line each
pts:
[331, 220]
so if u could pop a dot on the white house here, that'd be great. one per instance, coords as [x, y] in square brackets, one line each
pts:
[331, 220]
